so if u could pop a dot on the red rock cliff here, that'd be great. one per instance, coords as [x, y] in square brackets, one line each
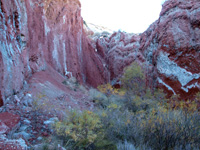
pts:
[35, 34]
[172, 46]
[169, 49]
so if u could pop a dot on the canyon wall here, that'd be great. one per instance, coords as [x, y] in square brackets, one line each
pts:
[169, 50]
[172, 46]
[119, 51]
[38, 34]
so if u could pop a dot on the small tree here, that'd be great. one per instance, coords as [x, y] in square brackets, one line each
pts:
[133, 79]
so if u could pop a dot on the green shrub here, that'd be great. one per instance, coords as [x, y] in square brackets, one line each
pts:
[138, 96]
[125, 146]
[136, 103]
[106, 95]
[116, 123]
[166, 129]
[133, 80]
[82, 128]
[99, 99]
[133, 117]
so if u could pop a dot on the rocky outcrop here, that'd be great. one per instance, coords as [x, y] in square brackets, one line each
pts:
[172, 46]
[169, 49]
[119, 50]
[35, 34]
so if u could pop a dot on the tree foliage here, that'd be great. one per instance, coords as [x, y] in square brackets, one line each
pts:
[133, 79]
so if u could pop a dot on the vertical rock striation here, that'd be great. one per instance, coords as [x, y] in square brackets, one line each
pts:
[36, 34]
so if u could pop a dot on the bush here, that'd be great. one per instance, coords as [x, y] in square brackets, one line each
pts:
[133, 118]
[116, 123]
[108, 90]
[81, 128]
[133, 80]
[151, 121]
[105, 96]
[146, 102]
[156, 127]
[125, 146]
[138, 96]
[166, 129]
[100, 99]
[188, 106]
[83, 131]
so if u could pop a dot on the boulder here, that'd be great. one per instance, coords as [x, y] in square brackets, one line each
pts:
[8, 144]
[8, 124]
[9, 121]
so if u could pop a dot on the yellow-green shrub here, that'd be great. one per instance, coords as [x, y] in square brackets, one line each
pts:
[133, 79]
[106, 95]
[109, 90]
[188, 106]
[116, 122]
[99, 98]
[82, 127]
[167, 129]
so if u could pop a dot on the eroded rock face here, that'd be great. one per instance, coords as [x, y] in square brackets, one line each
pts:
[119, 50]
[38, 33]
[172, 46]
[169, 49]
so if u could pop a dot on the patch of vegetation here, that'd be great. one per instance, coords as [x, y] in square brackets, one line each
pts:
[82, 131]
[132, 118]
[133, 80]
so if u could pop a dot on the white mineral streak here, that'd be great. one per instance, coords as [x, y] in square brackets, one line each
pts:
[171, 69]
